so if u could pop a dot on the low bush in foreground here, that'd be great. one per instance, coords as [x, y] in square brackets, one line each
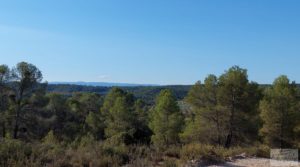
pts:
[87, 152]
[218, 154]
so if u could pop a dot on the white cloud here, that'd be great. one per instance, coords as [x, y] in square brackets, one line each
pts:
[102, 77]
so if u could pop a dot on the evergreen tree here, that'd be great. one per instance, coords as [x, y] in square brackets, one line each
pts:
[166, 120]
[120, 116]
[4, 101]
[238, 104]
[85, 108]
[279, 113]
[26, 81]
[224, 109]
[60, 116]
[207, 125]
[143, 132]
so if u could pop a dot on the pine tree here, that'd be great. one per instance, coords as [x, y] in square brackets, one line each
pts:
[120, 117]
[143, 132]
[224, 109]
[26, 79]
[4, 101]
[166, 120]
[207, 124]
[279, 113]
[238, 104]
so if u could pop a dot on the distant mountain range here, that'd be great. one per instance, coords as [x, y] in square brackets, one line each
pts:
[104, 84]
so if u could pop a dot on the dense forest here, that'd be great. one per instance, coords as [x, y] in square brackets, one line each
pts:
[207, 123]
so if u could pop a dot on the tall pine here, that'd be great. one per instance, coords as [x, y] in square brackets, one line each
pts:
[279, 113]
[118, 109]
[166, 120]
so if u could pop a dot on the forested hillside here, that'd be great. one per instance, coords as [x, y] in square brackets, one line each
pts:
[215, 119]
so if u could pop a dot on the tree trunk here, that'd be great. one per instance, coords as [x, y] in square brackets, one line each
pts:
[17, 116]
[228, 139]
[16, 128]
[231, 120]
[218, 128]
[3, 130]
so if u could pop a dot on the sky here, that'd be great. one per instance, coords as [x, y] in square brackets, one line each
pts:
[152, 41]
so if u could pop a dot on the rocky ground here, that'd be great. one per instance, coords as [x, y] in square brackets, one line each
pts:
[256, 162]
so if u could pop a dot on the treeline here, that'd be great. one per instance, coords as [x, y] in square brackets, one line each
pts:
[223, 116]
[145, 93]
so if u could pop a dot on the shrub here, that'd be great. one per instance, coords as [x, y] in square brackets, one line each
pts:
[14, 152]
[216, 154]
[196, 151]
[173, 151]
[139, 156]
[170, 163]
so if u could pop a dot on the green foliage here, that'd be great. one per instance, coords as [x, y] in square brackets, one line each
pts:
[218, 120]
[120, 117]
[14, 152]
[196, 151]
[280, 113]
[145, 93]
[143, 132]
[208, 122]
[4, 100]
[50, 138]
[24, 81]
[166, 120]
[239, 103]
[79, 115]
[4, 74]
[224, 110]
[139, 156]
[211, 154]
[95, 124]
[169, 163]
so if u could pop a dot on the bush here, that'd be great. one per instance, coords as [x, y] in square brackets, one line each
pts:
[14, 153]
[85, 152]
[88, 152]
[170, 163]
[216, 154]
[202, 152]
[139, 155]
[173, 151]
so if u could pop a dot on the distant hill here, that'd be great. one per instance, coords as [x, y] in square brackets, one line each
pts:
[105, 84]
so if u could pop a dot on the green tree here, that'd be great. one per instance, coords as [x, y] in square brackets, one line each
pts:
[143, 132]
[95, 124]
[166, 120]
[279, 113]
[223, 109]
[120, 116]
[60, 117]
[86, 114]
[4, 101]
[207, 123]
[235, 96]
[26, 80]
[34, 122]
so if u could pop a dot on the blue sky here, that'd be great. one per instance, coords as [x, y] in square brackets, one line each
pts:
[152, 41]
